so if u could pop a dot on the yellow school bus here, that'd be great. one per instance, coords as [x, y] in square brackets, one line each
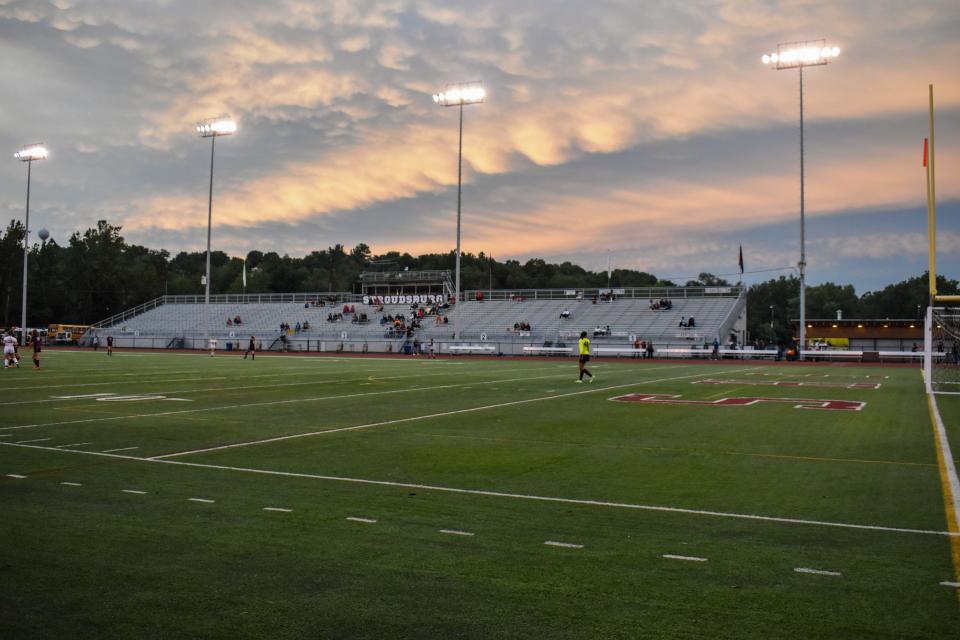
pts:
[66, 333]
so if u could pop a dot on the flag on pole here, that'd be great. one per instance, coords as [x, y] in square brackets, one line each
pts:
[925, 152]
[244, 274]
[741, 259]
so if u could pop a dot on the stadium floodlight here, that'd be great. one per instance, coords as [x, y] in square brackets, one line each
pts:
[458, 95]
[29, 154]
[212, 128]
[798, 55]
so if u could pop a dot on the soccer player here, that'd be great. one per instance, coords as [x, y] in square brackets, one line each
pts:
[109, 345]
[37, 344]
[10, 350]
[251, 349]
[584, 344]
[213, 346]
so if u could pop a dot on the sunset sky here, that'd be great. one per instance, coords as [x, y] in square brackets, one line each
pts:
[646, 131]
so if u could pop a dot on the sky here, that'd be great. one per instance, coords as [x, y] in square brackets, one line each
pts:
[643, 133]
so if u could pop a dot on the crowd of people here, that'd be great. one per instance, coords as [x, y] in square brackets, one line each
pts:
[663, 304]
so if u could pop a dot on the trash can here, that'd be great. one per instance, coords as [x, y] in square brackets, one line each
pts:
[229, 346]
[408, 349]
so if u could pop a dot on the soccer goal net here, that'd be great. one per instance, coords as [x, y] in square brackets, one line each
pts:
[942, 341]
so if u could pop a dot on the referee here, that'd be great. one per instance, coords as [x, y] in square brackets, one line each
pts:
[584, 344]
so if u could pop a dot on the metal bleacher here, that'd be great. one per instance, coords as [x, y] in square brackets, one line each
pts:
[610, 319]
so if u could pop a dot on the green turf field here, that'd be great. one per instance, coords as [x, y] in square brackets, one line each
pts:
[405, 498]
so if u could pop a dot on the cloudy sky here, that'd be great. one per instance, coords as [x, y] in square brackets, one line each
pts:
[648, 131]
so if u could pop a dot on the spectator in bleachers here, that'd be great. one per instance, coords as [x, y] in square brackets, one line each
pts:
[683, 322]
[229, 322]
[636, 348]
[691, 322]
[565, 314]
[237, 320]
[479, 296]
[306, 325]
[296, 329]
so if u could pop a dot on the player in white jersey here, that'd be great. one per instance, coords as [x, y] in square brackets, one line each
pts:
[10, 351]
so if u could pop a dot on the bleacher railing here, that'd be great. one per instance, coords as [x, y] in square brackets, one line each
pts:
[628, 293]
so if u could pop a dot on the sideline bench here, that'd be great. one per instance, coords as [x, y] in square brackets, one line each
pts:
[471, 348]
[548, 350]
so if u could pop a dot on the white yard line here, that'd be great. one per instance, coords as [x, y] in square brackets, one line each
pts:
[363, 520]
[16, 476]
[203, 390]
[103, 384]
[504, 494]
[278, 509]
[71, 484]
[565, 545]
[818, 572]
[269, 403]
[134, 491]
[950, 584]
[203, 500]
[34, 440]
[122, 449]
[75, 444]
[423, 417]
[670, 556]
[455, 532]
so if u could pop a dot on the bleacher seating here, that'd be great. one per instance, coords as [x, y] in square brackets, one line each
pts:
[473, 321]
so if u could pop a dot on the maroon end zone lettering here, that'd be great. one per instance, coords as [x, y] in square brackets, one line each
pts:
[794, 383]
[798, 403]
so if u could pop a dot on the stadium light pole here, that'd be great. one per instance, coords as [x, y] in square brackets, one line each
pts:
[29, 154]
[212, 128]
[798, 55]
[458, 95]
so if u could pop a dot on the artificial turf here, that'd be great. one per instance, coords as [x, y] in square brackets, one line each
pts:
[475, 446]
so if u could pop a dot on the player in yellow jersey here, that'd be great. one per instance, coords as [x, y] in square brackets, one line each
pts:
[584, 344]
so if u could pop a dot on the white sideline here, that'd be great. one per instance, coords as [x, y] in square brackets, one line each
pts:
[670, 556]
[121, 449]
[950, 584]
[949, 466]
[270, 403]
[501, 494]
[425, 417]
[818, 572]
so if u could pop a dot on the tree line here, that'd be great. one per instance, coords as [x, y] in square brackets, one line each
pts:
[97, 273]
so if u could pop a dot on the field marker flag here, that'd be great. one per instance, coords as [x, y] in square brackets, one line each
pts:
[741, 259]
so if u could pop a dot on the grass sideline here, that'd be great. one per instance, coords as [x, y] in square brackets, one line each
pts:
[361, 532]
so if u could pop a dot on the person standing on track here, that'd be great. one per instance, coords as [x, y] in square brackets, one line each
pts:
[109, 345]
[37, 344]
[584, 348]
[251, 349]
